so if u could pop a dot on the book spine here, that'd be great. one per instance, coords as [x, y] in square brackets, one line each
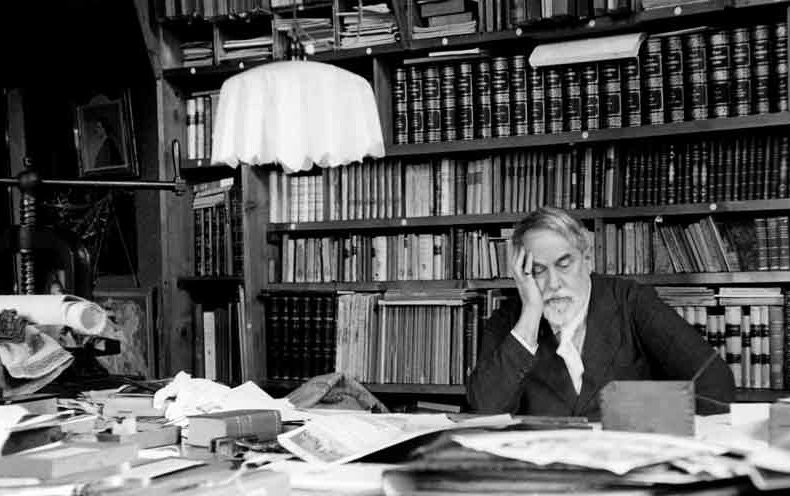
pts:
[537, 102]
[612, 87]
[653, 70]
[448, 103]
[573, 99]
[781, 66]
[721, 68]
[401, 113]
[761, 68]
[482, 100]
[518, 94]
[465, 103]
[676, 101]
[633, 93]
[416, 113]
[500, 80]
[697, 75]
[554, 100]
[742, 72]
[590, 97]
[432, 103]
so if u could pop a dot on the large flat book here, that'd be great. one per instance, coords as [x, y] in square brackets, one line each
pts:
[265, 424]
[67, 459]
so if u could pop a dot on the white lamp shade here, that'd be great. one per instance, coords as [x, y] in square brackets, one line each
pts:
[296, 113]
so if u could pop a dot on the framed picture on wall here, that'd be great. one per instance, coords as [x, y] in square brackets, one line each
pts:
[104, 135]
[130, 321]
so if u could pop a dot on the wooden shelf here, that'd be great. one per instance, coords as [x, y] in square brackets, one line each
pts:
[217, 286]
[508, 218]
[744, 395]
[696, 278]
[438, 389]
[593, 136]
[199, 170]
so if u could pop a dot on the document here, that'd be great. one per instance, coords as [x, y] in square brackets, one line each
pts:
[336, 439]
[614, 451]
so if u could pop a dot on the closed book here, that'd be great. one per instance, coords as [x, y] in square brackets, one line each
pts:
[500, 97]
[447, 102]
[400, 104]
[781, 67]
[590, 91]
[482, 100]
[537, 102]
[445, 20]
[432, 104]
[742, 71]
[518, 92]
[676, 108]
[554, 100]
[415, 105]
[148, 435]
[265, 424]
[572, 102]
[612, 96]
[721, 73]
[465, 107]
[67, 459]
[696, 72]
[139, 405]
[653, 73]
[443, 7]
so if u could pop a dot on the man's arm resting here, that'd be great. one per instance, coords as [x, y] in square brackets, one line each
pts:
[496, 385]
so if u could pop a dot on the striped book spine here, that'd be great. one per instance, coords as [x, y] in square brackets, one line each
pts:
[721, 68]
[500, 80]
[465, 103]
[414, 91]
[401, 116]
[448, 103]
[590, 97]
[482, 99]
[632, 86]
[573, 99]
[761, 68]
[612, 96]
[537, 102]
[518, 94]
[432, 102]
[781, 65]
[554, 100]
[742, 72]
[696, 72]
[676, 98]
[653, 70]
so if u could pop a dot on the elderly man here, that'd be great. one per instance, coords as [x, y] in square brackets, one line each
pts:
[573, 332]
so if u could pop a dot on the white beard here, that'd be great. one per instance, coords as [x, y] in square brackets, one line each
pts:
[559, 312]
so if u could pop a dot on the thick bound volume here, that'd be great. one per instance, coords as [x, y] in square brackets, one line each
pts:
[537, 102]
[781, 65]
[448, 104]
[64, 460]
[431, 101]
[573, 99]
[415, 105]
[465, 103]
[518, 92]
[482, 99]
[676, 99]
[696, 72]
[761, 68]
[612, 94]
[590, 100]
[265, 424]
[554, 100]
[401, 107]
[653, 70]
[721, 68]
[633, 93]
[500, 81]
[742, 72]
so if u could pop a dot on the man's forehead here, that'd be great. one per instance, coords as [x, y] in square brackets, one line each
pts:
[551, 258]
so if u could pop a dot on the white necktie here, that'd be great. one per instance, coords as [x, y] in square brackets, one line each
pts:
[573, 360]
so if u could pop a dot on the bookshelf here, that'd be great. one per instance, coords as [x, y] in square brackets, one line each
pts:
[263, 235]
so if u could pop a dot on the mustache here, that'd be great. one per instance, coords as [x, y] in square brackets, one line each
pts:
[556, 296]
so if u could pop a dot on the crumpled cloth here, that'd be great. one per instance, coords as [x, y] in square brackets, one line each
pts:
[296, 113]
[33, 363]
[335, 390]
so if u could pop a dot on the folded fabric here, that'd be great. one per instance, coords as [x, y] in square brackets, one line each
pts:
[335, 390]
[34, 363]
[296, 113]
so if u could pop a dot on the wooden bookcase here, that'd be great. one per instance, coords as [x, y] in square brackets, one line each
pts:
[377, 64]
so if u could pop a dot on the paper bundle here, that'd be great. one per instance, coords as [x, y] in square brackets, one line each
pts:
[58, 310]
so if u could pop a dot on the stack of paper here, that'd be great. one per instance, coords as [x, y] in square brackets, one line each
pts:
[375, 26]
[248, 48]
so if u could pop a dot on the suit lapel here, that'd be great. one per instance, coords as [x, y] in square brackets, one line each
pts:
[601, 342]
[551, 369]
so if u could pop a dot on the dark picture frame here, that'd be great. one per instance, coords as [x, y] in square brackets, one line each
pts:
[104, 135]
[131, 321]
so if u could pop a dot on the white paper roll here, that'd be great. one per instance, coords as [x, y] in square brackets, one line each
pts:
[81, 315]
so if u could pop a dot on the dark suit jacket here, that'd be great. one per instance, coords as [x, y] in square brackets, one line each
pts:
[631, 335]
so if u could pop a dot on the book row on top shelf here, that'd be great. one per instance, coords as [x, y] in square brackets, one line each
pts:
[204, 33]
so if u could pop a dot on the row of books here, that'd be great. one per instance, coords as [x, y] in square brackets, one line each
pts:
[748, 166]
[247, 48]
[301, 332]
[380, 338]
[196, 53]
[217, 348]
[678, 77]
[317, 31]
[218, 236]
[201, 110]
[433, 18]
[213, 8]
[531, 11]
[459, 254]
[732, 245]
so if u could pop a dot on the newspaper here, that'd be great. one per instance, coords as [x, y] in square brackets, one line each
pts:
[337, 439]
[614, 451]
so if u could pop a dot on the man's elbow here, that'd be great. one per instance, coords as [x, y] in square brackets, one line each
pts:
[715, 389]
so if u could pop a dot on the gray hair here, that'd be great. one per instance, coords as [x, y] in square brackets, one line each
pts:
[555, 220]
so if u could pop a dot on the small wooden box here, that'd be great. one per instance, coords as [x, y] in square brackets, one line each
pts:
[663, 407]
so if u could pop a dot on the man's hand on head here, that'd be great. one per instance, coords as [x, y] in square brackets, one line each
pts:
[521, 263]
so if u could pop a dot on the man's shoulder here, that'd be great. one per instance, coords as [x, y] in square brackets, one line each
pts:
[618, 288]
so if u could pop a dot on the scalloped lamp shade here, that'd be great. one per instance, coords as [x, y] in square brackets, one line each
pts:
[296, 113]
